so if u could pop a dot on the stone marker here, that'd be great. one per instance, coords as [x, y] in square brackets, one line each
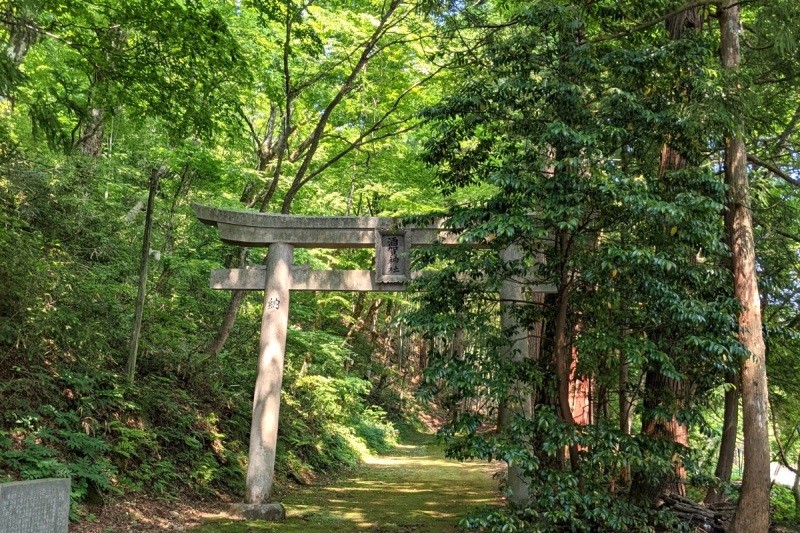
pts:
[40, 506]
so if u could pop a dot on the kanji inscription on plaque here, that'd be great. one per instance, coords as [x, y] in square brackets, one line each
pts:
[391, 258]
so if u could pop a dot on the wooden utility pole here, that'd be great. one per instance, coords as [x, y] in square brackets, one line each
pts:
[133, 346]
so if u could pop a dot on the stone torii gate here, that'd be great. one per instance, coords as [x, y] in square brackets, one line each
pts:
[281, 234]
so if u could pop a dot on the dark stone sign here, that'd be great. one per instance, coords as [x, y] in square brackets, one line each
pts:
[391, 258]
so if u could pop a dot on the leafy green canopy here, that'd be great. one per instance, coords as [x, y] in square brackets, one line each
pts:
[554, 143]
[172, 59]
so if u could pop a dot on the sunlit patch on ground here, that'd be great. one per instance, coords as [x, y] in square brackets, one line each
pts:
[415, 489]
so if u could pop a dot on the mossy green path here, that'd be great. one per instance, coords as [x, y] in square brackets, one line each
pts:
[411, 489]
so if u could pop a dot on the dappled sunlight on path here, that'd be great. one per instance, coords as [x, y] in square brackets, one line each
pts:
[413, 489]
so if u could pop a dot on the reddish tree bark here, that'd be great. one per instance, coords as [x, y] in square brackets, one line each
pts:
[752, 513]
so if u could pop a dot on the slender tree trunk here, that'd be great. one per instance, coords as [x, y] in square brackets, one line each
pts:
[727, 446]
[796, 491]
[422, 349]
[625, 413]
[228, 319]
[752, 514]
[625, 403]
[92, 138]
[133, 346]
[561, 343]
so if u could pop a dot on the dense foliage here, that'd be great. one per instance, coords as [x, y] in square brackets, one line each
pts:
[98, 99]
[575, 146]
[596, 153]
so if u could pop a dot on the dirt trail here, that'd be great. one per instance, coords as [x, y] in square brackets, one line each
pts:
[411, 489]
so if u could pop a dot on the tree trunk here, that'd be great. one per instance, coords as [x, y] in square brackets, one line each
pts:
[580, 389]
[225, 327]
[660, 390]
[625, 403]
[92, 138]
[727, 446]
[752, 513]
[561, 342]
[625, 413]
[133, 346]
[796, 491]
[665, 391]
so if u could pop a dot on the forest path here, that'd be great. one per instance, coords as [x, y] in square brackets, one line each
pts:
[413, 488]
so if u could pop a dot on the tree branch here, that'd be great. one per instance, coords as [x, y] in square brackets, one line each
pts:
[652, 22]
[774, 169]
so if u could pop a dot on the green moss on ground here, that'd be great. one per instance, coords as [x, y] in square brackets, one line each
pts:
[413, 488]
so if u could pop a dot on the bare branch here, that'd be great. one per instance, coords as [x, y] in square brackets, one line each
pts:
[780, 144]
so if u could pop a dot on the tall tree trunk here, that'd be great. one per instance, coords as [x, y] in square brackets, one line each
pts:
[133, 346]
[665, 391]
[561, 341]
[625, 402]
[752, 513]
[625, 413]
[727, 446]
[580, 389]
[660, 390]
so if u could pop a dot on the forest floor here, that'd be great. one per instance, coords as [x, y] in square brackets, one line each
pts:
[413, 488]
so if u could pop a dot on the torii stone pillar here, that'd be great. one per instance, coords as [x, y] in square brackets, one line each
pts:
[267, 395]
[511, 294]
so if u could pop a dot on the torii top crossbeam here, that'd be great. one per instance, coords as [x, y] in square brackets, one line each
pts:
[262, 229]
[390, 237]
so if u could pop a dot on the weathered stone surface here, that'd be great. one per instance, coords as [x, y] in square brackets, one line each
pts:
[262, 229]
[40, 506]
[267, 394]
[270, 512]
[254, 278]
[391, 258]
